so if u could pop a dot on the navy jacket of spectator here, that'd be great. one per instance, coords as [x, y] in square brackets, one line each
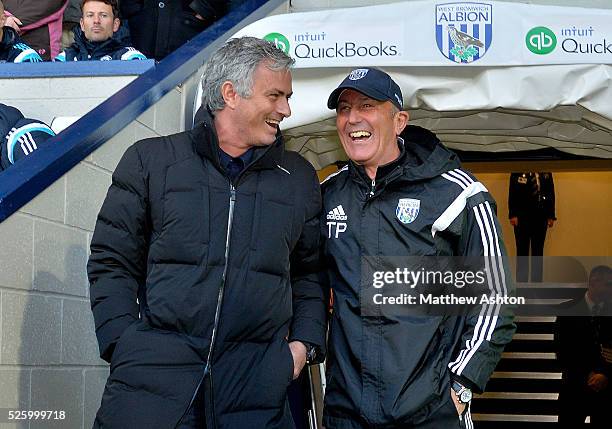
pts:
[19, 136]
[115, 48]
[14, 50]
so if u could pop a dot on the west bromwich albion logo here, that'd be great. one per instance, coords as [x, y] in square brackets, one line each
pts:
[407, 209]
[464, 30]
[358, 74]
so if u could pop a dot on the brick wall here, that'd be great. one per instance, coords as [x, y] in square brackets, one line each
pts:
[48, 350]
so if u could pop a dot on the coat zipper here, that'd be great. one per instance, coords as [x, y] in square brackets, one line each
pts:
[207, 368]
[372, 189]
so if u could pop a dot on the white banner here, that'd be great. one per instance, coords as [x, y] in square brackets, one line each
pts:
[437, 33]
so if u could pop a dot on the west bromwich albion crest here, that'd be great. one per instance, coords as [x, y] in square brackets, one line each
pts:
[358, 74]
[464, 30]
[407, 209]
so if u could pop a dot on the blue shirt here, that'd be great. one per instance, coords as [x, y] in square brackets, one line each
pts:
[234, 166]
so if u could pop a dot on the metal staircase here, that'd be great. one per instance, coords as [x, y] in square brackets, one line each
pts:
[523, 392]
[524, 389]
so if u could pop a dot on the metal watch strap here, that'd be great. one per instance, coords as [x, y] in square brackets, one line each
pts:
[464, 394]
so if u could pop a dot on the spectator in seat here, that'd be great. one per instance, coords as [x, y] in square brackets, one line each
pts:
[72, 17]
[41, 23]
[19, 136]
[100, 35]
[12, 48]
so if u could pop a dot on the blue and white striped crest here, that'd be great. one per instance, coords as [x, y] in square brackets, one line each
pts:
[358, 74]
[464, 30]
[407, 209]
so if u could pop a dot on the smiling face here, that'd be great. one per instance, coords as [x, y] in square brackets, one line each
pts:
[368, 129]
[98, 22]
[259, 115]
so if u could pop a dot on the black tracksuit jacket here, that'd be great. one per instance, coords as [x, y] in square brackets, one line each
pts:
[393, 371]
[225, 276]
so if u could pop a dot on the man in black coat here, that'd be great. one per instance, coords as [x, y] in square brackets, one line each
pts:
[215, 231]
[584, 339]
[531, 206]
[160, 27]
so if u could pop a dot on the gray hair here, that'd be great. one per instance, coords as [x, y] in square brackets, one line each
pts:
[236, 62]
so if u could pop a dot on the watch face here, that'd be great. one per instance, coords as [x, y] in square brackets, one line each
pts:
[466, 396]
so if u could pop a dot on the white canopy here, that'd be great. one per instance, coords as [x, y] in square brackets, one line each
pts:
[513, 77]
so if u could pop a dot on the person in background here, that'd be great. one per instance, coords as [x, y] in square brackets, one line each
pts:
[531, 210]
[41, 24]
[19, 136]
[100, 35]
[584, 341]
[12, 48]
[72, 17]
[159, 27]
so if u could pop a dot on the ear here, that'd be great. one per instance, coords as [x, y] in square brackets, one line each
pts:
[81, 23]
[116, 24]
[400, 121]
[229, 94]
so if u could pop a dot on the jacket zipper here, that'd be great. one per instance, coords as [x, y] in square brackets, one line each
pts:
[207, 368]
[372, 189]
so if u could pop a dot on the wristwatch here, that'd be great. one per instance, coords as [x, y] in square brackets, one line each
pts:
[464, 394]
[311, 353]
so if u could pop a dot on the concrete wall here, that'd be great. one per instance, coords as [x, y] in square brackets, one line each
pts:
[48, 351]
[50, 97]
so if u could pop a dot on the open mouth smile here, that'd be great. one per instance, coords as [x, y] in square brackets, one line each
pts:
[360, 135]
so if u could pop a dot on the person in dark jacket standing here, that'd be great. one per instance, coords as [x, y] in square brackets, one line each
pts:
[12, 48]
[216, 232]
[531, 210]
[100, 35]
[404, 194]
[160, 27]
[584, 341]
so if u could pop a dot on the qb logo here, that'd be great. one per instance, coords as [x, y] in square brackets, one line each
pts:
[335, 226]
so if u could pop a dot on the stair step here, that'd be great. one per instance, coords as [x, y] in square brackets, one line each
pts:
[532, 345]
[523, 385]
[515, 406]
[539, 396]
[535, 319]
[514, 425]
[533, 418]
[535, 328]
[530, 363]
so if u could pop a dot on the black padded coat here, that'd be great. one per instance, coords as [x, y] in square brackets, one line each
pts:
[225, 275]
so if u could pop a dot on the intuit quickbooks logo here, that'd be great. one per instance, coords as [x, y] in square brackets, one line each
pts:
[279, 41]
[541, 40]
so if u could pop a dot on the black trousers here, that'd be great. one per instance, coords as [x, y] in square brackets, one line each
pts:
[530, 234]
[445, 417]
[579, 402]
